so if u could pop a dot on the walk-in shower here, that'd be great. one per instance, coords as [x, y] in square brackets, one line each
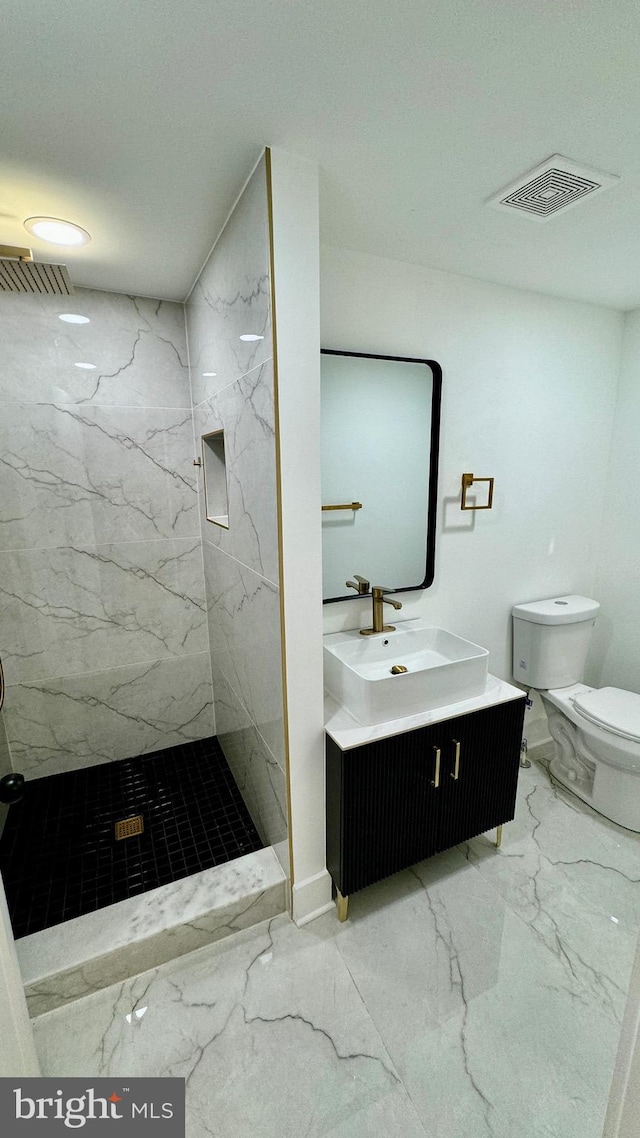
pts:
[141, 642]
[115, 783]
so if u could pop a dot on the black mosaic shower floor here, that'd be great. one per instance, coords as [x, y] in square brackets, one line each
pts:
[58, 853]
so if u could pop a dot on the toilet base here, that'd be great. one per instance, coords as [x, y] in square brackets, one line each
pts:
[600, 768]
[557, 771]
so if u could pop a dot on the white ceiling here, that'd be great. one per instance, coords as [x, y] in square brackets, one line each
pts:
[140, 120]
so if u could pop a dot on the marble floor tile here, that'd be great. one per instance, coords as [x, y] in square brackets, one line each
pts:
[478, 1015]
[392, 1115]
[271, 1036]
[458, 1000]
[573, 877]
[398, 949]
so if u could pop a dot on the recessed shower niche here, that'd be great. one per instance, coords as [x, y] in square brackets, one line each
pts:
[216, 497]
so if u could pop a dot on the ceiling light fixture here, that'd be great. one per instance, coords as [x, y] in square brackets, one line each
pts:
[74, 318]
[209, 373]
[251, 337]
[86, 367]
[57, 232]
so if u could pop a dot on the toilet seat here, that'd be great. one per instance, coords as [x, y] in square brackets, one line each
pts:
[612, 709]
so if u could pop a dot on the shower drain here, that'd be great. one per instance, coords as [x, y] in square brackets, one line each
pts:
[129, 827]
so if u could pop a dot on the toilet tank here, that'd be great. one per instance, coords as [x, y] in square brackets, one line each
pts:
[551, 640]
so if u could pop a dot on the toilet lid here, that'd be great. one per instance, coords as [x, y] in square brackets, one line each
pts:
[613, 708]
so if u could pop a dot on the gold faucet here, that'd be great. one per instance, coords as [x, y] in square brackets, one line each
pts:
[361, 585]
[379, 601]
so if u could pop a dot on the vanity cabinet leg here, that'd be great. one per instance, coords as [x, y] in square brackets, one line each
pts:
[498, 836]
[343, 906]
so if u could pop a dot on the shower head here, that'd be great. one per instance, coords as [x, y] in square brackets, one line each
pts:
[20, 273]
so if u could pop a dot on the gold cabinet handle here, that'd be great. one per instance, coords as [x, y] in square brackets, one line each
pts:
[436, 780]
[456, 770]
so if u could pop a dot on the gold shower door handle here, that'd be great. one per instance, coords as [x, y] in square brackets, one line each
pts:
[456, 770]
[436, 779]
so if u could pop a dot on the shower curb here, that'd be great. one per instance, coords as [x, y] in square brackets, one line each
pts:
[72, 960]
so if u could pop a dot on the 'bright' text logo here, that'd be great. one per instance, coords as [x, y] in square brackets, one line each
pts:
[74, 1112]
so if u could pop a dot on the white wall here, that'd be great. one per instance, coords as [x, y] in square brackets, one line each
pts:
[295, 228]
[616, 656]
[529, 388]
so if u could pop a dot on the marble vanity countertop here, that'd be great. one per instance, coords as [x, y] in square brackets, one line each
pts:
[348, 733]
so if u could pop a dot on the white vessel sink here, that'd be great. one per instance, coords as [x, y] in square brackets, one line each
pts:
[441, 669]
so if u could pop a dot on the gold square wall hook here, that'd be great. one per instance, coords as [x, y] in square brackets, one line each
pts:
[469, 480]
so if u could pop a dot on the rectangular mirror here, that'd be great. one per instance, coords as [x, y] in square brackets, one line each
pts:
[380, 429]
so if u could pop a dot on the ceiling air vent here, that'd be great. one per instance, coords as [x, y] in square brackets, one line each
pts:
[555, 186]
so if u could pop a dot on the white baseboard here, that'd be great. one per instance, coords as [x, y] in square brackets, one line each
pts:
[311, 898]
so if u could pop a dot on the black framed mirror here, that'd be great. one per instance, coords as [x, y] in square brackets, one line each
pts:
[380, 434]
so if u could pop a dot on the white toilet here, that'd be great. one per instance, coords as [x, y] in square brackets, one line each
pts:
[596, 730]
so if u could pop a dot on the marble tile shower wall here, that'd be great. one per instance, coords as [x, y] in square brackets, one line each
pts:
[232, 385]
[103, 626]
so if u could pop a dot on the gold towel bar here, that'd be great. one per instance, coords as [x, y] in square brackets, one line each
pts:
[345, 506]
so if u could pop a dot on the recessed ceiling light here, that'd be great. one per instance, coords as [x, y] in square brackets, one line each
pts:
[56, 231]
[86, 367]
[249, 336]
[209, 373]
[74, 318]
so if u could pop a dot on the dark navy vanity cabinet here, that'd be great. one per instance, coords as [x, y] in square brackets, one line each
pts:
[398, 800]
